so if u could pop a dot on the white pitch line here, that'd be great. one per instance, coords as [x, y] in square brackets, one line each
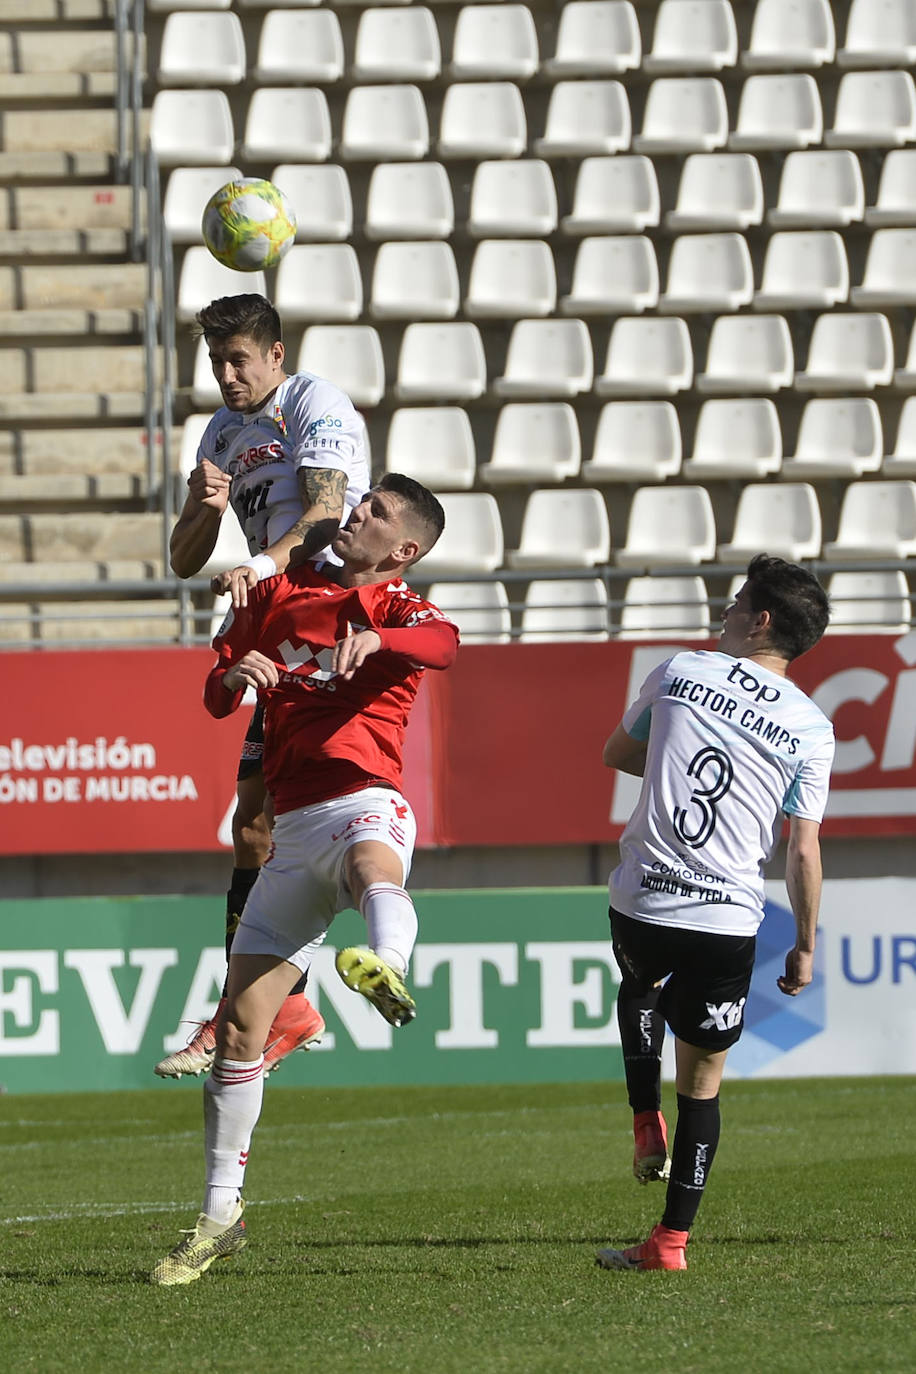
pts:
[101, 1210]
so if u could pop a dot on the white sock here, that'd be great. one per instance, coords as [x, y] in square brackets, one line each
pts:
[232, 1104]
[391, 923]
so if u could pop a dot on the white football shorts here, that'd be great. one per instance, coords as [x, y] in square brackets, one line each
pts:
[301, 887]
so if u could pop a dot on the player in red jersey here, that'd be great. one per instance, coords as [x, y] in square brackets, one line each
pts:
[337, 655]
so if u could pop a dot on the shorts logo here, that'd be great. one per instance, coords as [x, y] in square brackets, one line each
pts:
[724, 1017]
[252, 749]
[368, 818]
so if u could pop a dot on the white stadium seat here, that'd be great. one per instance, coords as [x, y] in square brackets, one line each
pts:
[647, 357]
[890, 270]
[787, 34]
[510, 278]
[320, 196]
[300, 47]
[748, 353]
[495, 41]
[635, 441]
[512, 198]
[905, 377]
[879, 33]
[819, 189]
[848, 353]
[472, 540]
[414, 280]
[738, 438]
[663, 607]
[319, 281]
[434, 445]
[202, 279]
[837, 437]
[479, 609]
[384, 124]
[877, 520]
[669, 525]
[563, 528]
[187, 192]
[441, 362]
[547, 358]
[683, 115]
[586, 118]
[482, 119]
[613, 195]
[783, 518]
[191, 128]
[614, 275]
[902, 461]
[695, 37]
[409, 200]
[287, 124]
[718, 191]
[874, 110]
[777, 111]
[803, 270]
[896, 201]
[397, 45]
[534, 442]
[595, 38]
[205, 48]
[708, 272]
[869, 603]
[564, 609]
[349, 355]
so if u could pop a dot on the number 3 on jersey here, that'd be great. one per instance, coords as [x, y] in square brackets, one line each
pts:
[713, 770]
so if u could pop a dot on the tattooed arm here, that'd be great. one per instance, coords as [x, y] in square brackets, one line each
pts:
[322, 491]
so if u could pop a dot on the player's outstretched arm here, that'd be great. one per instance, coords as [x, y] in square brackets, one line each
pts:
[626, 754]
[803, 883]
[432, 644]
[194, 537]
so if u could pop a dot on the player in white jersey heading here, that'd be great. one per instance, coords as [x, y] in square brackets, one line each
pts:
[288, 454]
[726, 746]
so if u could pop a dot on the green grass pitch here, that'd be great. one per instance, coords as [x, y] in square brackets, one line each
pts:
[440, 1231]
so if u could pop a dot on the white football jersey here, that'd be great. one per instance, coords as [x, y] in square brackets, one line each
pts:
[307, 422]
[732, 746]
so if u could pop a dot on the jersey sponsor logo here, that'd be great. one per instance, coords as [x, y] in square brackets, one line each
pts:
[325, 422]
[761, 691]
[256, 457]
[221, 443]
[724, 1017]
[316, 662]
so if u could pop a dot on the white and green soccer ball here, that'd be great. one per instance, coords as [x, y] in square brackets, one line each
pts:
[248, 224]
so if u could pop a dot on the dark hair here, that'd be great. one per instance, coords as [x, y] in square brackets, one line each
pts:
[798, 605]
[425, 508]
[250, 315]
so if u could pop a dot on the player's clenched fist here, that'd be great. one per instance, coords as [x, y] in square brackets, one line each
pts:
[209, 485]
[349, 653]
[253, 670]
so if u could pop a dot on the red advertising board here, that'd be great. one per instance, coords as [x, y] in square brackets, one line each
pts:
[112, 751]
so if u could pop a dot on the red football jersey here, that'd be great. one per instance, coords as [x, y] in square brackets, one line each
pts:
[323, 735]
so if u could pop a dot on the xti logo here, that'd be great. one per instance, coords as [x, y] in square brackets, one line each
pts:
[645, 1029]
[724, 1017]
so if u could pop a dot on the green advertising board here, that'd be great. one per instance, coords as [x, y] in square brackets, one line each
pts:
[512, 985]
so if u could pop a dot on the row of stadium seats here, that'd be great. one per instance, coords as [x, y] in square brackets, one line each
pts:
[555, 359]
[611, 275]
[593, 37]
[818, 189]
[488, 119]
[649, 607]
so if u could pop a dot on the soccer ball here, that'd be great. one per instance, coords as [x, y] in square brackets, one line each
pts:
[248, 224]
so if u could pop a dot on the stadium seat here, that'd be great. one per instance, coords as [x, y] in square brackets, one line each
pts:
[192, 431]
[614, 276]
[205, 48]
[384, 124]
[563, 528]
[494, 41]
[896, 200]
[873, 110]
[472, 541]
[441, 362]
[778, 111]
[890, 270]
[434, 445]
[848, 353]
[877, 520]
[510, 278]
[191, 128]
[905, 377]
[202, 279]
[482, 119]
[659, 607]
[735, 438]
[205, 394]
[512, 199]
[819, 189]
[396, 45]
[585, 118]
[613, 195]
[837, 437]
[635, 441]
[783, 518]
[683, 115]
[803, 270]
[287, 123]
[300, 47]
[869, 603]
[695, 37]
[349, 355]
[231, 547]
[879, 33]
[320, 196]
[414, 280]
[319, 281]
[668, 525]
[647, 357]
[165, 6]
[708, 272]
[718, 191]
[534, 442]
[595, 38]
[187, 192]
[902, 461]
[788, 34]
[547, 358]
[479, 609]
[409, 200]
[564, 609]
[748, 353]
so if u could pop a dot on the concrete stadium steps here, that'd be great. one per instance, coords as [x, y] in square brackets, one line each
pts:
[73, 286]
[55, 165]
[84, 536]
[133, 621]
[46, 50]
[91, 368]
[62, 489]
[75, 131]
[37, 324]
[63, 243]
[56, 11]
[52, 453]
[35, 577]
[66, 407]
[61, 207]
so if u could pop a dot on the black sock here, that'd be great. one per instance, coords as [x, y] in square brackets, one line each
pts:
[243, 880]
[642, 1031]
[695, 1141]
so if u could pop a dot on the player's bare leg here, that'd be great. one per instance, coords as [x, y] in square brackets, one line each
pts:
[374, 875]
